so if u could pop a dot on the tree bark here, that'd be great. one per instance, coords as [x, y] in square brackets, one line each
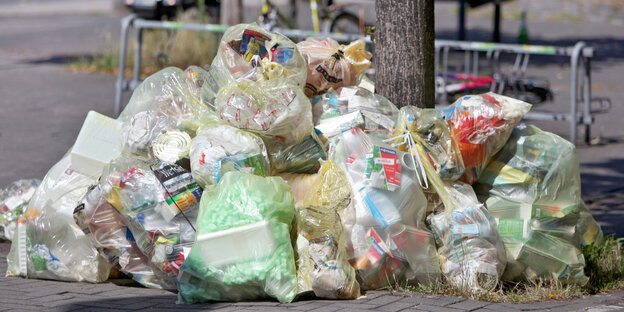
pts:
[404, 52]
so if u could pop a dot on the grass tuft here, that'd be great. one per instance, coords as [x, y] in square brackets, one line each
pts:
[161, 48]
[604, 265]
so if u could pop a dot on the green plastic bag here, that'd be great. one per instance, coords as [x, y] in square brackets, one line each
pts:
[243, 249]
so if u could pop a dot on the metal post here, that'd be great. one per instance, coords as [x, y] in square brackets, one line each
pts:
[497, 19]
[462, 20]
[475, 65]
[466, 63]
[574, 59]
[119, 84]
[587, 118]
[445, 56]
[136, 73]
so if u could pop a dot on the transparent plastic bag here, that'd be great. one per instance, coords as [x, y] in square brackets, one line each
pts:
[378, 113]
[330, 65]
[481, 124]
[470, 249]
[330, 129]
[201, 86]
[303, 157]
[159, 204]
[300, 185]
[533, 188]
[47, 243]
[171, 91]
[323, 265]
[243, 249]
[337, 111]
[427, 128]
[219, 148]
[163, 113]
[14, 198]
[110, 235]
[249, 52]
[386, 237]
[275, 110]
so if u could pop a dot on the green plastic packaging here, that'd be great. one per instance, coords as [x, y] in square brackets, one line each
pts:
[243, 249]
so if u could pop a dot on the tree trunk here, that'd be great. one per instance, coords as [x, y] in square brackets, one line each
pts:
[404, 52]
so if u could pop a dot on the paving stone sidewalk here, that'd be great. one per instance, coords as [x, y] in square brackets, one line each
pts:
[18, 294]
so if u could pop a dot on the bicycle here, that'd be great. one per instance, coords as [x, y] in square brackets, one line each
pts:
[531, 90]
[326, 17]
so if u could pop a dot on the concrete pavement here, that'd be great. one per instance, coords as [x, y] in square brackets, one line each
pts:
[17, 294]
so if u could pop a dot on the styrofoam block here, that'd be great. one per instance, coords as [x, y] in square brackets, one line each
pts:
[98, 142]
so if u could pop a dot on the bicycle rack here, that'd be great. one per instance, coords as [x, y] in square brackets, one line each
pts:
[580, 89]
[580, 55]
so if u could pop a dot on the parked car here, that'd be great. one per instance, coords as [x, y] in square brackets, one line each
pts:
[156, 9]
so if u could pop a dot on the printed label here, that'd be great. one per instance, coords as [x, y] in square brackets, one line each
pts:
[253, 41]
[465, 229]
[183, 191]
[282, 54]
[553, 211]
[246, 163]
[383, 168]
[512, 228]
[375, 247]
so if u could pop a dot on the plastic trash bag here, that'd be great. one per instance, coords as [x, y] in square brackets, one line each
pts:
[201, 86]
[471, 251]
[303, 157]
[109, 234]
[533, 188]
[337, 111]
[481, 124]
[170, 92]
[427, 128]
[386, 237]
[323, 265]
[243, 249]
[47, 243]
[249, 52]
[275, 110]
[330, 65]
[378, 113]
[14, 198]
[300, 185]
[159, 204]
[218, 148]
[163, 113]
[330, 129]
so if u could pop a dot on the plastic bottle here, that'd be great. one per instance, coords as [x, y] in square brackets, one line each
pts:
[523, 36]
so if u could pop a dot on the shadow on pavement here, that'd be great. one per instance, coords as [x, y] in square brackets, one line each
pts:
[160, 302]
[602, 183]
[604, 194]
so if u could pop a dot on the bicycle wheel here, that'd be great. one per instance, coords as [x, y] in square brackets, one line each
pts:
[347, 23]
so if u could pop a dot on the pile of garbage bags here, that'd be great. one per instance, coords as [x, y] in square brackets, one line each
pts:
[279, 172]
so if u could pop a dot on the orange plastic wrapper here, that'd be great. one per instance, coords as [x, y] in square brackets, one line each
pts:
[331, 65]
[481, 124]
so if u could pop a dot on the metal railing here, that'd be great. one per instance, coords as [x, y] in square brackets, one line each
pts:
[580, 58]
[580, 85]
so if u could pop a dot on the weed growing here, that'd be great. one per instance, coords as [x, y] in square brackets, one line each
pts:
[161, 48]
[604, 265]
